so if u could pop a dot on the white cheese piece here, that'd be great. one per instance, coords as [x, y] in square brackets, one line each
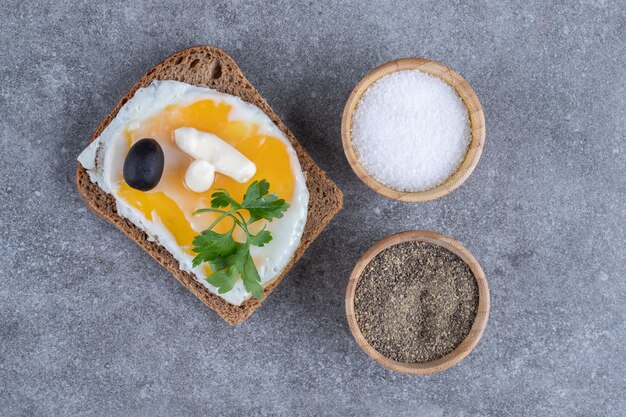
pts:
[200, 175]
[208, 147]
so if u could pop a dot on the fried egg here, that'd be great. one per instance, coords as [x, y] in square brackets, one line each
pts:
[165, 213]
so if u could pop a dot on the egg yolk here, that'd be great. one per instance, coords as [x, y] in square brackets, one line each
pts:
[171, 203]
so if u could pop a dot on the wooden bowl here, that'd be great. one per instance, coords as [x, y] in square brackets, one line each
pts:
[476, 331]
[476, 116]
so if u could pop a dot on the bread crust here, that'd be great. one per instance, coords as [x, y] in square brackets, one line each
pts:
[212, 67]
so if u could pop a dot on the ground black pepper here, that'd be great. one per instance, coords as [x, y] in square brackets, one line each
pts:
[415, 302]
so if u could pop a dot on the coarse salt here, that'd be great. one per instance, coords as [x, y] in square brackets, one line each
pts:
[410, 131]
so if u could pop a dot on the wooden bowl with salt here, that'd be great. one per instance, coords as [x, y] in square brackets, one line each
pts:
[476, 330]
[476, 119]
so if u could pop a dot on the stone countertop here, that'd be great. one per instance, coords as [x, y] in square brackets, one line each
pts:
[90, 325]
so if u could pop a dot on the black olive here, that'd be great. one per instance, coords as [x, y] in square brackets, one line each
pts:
[143, 165]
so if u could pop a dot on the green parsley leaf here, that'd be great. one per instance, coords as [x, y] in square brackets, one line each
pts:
[210, 245]
[255, 191]
[261, 239]
[218, 264]
[239, 258]
[224, 280]
[251, 279]
[262, 205]
[228, 258]
[222, 198]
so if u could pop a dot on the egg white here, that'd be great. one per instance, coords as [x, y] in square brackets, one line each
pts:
[104, 159]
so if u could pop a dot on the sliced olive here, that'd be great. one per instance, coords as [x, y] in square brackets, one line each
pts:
[144, 164]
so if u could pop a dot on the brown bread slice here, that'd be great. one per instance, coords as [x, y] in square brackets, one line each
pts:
[212, 67]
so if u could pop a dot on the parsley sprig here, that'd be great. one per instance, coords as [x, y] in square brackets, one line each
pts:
[228, 258]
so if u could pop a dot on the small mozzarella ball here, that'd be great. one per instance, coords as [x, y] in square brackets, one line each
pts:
[200, 175]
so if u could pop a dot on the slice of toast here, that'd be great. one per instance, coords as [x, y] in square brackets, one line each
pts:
[212, 67]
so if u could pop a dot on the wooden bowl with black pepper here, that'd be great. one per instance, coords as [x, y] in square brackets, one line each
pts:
[417, 302]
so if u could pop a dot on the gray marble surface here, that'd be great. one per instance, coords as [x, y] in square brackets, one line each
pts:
[90, 325]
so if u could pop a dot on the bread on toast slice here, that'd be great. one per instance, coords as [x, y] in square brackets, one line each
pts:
[214, 68]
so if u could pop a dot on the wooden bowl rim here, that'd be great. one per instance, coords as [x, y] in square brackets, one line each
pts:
[477, 124]
[476, 331]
